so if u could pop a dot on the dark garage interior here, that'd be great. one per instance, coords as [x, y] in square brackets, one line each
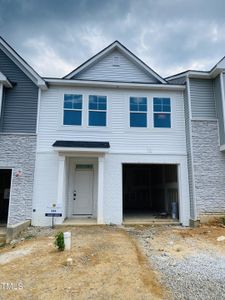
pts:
[150, 191]
[5, 182]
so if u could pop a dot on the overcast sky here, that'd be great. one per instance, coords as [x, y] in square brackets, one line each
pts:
[56, 36]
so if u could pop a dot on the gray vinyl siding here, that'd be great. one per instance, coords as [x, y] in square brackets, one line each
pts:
[127, 71]
[202, 99]
[219, 109]
[19, 110]
[189, 157]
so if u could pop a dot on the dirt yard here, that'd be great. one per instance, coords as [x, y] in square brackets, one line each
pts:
[109, 262]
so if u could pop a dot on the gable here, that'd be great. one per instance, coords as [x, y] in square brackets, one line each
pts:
[10, 69]
[132, 69]
[19, 108]
[21, 64]
[105, 70]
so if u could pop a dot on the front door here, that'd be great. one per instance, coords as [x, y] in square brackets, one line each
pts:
[83, 192]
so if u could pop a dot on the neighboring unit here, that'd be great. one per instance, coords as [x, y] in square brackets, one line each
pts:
[205, 127]
[19, 89]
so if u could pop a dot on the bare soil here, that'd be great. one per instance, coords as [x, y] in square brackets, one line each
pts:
[107, 264]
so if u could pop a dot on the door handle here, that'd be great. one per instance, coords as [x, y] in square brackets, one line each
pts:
[74, 195]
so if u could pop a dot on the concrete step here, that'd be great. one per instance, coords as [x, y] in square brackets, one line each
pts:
[2, 235]
[143, 221]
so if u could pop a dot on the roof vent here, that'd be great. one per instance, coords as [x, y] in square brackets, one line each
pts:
[116, 61]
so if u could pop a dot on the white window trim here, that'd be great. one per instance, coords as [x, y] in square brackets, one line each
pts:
[171, 114]
[146, 112]
[84, 126]
[97, 110]
[72, 109]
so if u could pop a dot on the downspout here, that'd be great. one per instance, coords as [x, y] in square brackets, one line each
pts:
[191, 149]
[223, 97]
[1, 98]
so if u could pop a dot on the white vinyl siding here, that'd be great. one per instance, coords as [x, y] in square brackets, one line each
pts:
[106, 70]
[127, 145]
[122, 138]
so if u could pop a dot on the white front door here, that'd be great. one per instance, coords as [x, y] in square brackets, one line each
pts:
[83, 192]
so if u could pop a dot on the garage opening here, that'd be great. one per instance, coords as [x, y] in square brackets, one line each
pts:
[5, 183]
[150, 191]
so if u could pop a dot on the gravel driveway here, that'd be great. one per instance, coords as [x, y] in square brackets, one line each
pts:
[190, 262]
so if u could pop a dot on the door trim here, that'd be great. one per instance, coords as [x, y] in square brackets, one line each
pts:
[91, 170]
[72, 162]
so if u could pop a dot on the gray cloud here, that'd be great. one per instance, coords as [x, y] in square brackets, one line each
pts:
[56, 36]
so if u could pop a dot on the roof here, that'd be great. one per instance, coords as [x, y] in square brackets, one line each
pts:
[81, 144]
[212, 73]
[106, 50]
[22, 64]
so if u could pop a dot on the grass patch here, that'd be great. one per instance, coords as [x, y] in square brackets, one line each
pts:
[29, 237]
[222, 220]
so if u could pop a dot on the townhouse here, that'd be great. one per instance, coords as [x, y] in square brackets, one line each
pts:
[111, 142]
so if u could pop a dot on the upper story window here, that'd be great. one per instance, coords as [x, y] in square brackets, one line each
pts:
[138, 112]
[97, 110]
[162, 112]
[72, 114]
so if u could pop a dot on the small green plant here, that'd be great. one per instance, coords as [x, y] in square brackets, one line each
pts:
[29, 237]
[59, 241]
[223, 220]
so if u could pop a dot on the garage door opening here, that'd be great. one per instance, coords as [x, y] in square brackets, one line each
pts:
[150, 191]
[5, 183]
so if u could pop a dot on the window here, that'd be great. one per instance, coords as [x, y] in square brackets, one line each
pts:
[72, 110]
[138, 112]
[162, 112]
[97, 110]
[116, 61]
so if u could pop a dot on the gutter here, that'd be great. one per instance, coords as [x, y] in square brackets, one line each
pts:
[146, 86]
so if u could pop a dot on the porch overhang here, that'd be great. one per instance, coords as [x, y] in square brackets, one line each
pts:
[81, 146]
[5, 81]
[222, 147]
